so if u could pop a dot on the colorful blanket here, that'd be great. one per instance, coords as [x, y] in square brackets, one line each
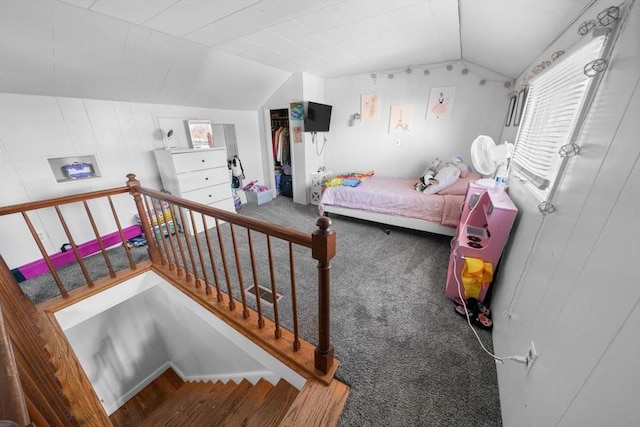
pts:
[352, 179]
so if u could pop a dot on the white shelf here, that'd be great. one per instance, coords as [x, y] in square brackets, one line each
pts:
[87, 166]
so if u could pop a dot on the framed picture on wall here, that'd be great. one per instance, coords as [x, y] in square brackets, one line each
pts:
[400, 118]
[200, 134]
[511, 110]
[520, 103]
[370, 107]
[440, 103]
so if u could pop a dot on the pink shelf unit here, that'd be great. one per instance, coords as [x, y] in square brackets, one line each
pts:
[485, 223]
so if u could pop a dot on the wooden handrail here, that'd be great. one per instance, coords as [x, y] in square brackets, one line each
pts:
[281, 232]
[6, 210]
[323, 248]
[134, 189]
[13, 406]
[41, 388]
[25, 208]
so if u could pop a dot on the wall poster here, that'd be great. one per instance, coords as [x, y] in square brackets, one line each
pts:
[400, 119]
[297, 121]
[440, 103]
[370, 107]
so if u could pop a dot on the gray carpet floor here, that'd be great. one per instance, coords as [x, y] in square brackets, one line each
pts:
[407, 357]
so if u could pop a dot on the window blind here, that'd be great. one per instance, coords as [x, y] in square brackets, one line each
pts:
[551, 118]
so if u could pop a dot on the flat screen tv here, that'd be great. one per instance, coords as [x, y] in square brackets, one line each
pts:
[318, 117]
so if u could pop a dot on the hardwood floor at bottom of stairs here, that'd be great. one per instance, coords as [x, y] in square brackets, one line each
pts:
[147, 400]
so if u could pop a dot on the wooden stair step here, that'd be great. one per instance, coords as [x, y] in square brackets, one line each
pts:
[223, 392]
[317, 405]
[189, 398]
[147, 400]
[275, 406]
[212, 412]
[241, 413]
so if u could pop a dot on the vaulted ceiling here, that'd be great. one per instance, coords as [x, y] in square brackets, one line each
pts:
[234, 54]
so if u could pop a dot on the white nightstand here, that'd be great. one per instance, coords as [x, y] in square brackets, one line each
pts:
[317, 181]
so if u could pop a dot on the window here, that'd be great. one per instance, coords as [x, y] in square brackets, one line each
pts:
[556, 105]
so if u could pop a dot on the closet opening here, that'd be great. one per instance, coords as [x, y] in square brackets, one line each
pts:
[281, 150]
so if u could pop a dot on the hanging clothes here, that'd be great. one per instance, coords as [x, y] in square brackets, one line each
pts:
[280, 144]
[284, 146]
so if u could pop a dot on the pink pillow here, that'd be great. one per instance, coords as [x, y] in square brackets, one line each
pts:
[460, 186]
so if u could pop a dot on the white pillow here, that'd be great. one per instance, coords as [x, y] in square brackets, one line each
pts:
[445, 177]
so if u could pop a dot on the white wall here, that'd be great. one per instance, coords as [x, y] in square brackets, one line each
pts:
[141, 327]
[313, 89]
[570, 279]
[122, 136]
[477, 110]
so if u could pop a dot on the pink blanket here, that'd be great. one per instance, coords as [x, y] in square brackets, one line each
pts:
[452, 209]
[395, 196]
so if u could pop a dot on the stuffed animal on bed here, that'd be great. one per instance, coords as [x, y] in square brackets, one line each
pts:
[427, 177]
[458, 162]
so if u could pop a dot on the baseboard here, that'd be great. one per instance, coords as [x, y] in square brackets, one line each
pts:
[38, 267]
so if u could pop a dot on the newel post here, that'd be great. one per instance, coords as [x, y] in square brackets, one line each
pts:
[323, 248]
[134, 186]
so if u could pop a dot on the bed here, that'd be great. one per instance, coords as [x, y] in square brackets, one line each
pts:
[395, 201]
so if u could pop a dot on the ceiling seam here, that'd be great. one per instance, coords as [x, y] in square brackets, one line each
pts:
[460, 30]
[220, 19]
[162, 11]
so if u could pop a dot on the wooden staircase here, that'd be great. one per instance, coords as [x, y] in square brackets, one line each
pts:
[169, 401]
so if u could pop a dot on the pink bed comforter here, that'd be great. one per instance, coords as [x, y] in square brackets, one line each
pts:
[395, 196]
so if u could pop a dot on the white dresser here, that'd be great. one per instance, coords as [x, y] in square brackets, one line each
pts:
[199, 175]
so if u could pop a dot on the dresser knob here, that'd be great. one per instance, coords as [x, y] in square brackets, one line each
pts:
[206, 179]
[202, 160]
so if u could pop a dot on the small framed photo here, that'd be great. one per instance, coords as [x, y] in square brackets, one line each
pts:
[201, 134]
[520, 103]
[511, 110]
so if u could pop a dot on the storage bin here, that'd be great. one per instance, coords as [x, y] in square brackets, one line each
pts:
[260, 197]
[286, 186]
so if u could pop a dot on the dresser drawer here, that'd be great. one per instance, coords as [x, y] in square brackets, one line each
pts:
[198, 160]
[209, 195]
[189, 181]
[226, 204]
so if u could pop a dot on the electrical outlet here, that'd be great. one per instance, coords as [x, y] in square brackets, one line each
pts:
[532, 355]
[41, 236]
